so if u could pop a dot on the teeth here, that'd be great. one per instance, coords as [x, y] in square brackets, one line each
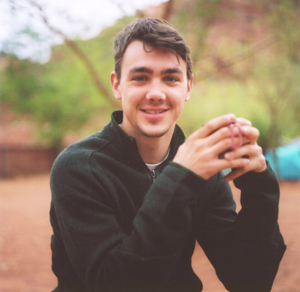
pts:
[154, 112]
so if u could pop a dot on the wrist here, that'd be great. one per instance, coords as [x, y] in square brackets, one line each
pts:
[262, 167]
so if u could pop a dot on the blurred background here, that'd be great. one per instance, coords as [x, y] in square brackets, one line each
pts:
[55, 63]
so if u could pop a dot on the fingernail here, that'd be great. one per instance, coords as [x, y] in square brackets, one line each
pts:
[229, 155]
[246, 130]
[232, 117]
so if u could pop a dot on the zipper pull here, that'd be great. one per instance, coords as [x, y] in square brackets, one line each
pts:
[153, 175]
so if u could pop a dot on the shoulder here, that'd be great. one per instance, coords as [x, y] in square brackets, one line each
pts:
[73, 163]
[80, 152]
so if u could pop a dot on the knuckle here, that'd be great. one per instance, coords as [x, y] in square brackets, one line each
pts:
[262, 159]
[257, 150]
[228, 143]
[244, 121]
[209, 126]
[225, 131]
[232, 164]
[260, 151]
[256, 132]
[189, 140]
[198, 145]
[252, 150]
[195, 135]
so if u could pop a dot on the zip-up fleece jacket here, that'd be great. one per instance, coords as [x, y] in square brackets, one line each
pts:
[115, 230]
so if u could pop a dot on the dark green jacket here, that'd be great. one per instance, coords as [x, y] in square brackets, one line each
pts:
[116, 230]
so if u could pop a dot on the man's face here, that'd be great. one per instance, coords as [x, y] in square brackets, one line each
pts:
[153, 89]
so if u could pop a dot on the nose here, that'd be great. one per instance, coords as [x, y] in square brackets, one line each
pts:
[155, 92]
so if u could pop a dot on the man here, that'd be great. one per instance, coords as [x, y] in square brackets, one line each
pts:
[129, 202]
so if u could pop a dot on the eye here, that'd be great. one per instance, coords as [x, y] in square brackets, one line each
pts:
[171, 79]
[140, 78]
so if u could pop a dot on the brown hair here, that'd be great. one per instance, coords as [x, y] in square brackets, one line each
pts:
[154, 33]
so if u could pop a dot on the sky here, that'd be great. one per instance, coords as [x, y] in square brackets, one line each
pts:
[76, 18]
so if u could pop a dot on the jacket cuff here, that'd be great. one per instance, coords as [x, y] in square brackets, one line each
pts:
[265, 180]
[186, 176]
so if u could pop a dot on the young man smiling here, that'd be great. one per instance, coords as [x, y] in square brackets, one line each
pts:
[129, 202]
[153, 87]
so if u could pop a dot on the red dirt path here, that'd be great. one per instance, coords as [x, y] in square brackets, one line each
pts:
[25, 257]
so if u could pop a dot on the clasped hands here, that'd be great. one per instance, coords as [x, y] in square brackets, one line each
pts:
[200, 152]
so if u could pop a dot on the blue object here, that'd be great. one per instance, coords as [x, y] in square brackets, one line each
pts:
[288, 159]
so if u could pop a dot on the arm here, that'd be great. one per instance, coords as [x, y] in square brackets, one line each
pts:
[245, 249]
[105, 254]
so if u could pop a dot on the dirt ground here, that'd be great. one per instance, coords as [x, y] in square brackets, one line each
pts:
[25, 257]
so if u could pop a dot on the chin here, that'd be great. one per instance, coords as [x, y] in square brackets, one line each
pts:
[154, 133]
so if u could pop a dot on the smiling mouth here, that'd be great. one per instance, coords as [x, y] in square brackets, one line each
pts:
[154, 111]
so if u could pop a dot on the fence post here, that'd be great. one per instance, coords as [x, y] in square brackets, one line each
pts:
[4, 164]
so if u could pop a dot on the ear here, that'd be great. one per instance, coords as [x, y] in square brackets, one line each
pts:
[189, 88]
[115, 85]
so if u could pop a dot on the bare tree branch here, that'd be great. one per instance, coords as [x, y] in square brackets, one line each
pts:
[163, 11]
[119, 5]
[231, 61]
[168, 10]
[82, 56]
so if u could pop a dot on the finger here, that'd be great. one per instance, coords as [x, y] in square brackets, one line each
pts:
[233, 130]
[257, 165]
[215, 124]
[226, 145]
[240, 163]
[235, 174]
[232, 133]
[243, 121]
[255, 153]
[257, 162]
[248, 150]
[251, 132]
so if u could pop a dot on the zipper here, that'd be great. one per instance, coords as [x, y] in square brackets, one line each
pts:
[153, 174]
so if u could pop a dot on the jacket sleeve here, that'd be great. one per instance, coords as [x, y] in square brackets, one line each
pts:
[105, 257]
[244, 248]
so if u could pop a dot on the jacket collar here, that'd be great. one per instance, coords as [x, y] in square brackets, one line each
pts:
[128, 143]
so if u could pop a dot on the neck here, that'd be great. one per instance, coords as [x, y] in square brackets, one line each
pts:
[154, 150]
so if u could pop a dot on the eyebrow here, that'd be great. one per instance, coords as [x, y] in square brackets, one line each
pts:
[171, 71]
[141, 70]
[150, 71]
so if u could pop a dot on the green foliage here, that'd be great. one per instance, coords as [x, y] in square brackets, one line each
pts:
[278, 88]
[211, 99]
[263, 87]
[20, 81]
[194, 22]
[60, 95]
[277, 71]
[31, 88]
[284, 19]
